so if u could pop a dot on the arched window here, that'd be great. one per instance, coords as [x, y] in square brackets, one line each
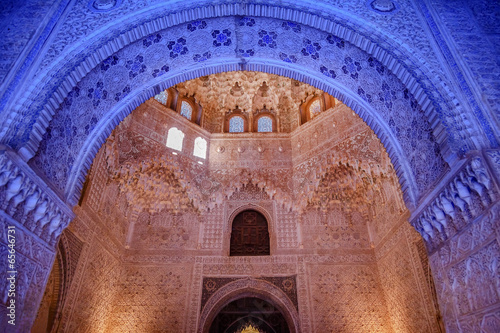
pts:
[249, 235]
[175, 138]
[265, 124]
[162, 97]
[186, 110]
[314, 108]
[200, 147]
[236, 124]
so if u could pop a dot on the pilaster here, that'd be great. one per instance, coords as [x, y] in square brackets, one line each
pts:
[32, 218]
[460, 226]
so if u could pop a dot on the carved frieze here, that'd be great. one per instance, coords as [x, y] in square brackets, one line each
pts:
[286, 283]
[28, 200]
[466, 195]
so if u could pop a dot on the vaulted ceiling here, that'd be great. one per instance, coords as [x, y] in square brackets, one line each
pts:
[248, 91]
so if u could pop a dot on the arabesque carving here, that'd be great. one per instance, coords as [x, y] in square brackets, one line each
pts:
[466, 196]
[328, 191]
[27, 199]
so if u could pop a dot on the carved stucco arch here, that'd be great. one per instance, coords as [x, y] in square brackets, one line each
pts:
[121, 110]
[248, 287]
[421, 79]
[70, 186]
[226, 242]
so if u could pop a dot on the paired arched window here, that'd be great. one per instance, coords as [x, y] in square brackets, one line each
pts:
[249, 235]
[200, 148]
[186, 110]
[265, 124]
[264, 121]
[175, 138]
[236, 124]
[314, 105]
[314, 108]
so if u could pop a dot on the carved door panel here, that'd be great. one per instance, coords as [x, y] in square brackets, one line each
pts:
[250, 235]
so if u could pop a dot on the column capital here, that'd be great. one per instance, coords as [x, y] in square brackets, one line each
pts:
[466, 193]
[27, 199]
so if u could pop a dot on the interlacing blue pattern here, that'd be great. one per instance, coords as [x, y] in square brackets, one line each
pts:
[265, 124]
[186, 110]
[211, 40]
[236, 124]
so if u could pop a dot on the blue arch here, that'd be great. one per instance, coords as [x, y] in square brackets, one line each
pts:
[302, 64]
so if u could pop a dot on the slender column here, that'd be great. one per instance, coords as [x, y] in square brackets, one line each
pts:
[460, 223]
[32, 217]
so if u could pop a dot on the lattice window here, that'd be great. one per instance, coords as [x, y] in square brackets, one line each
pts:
[186, 110]
[315, 108]
[175, 138]
[236, 124]
[265, 124]
[200, 147]
[162, 97]
[250, 235]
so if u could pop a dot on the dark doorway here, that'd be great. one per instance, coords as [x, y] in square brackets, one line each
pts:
[249, 312]
[250, 235]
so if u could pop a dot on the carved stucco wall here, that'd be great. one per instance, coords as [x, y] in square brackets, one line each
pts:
[470, 260]
[33, 264]
[158, 292]
[478, 30]
[347, 298]
[19, 29]
[431, 34]
[93, 288]
[333, 250]
[405, 280]
[460, 228]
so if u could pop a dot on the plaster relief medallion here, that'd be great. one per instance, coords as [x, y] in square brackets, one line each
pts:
[383, 6]
[206, 184]
[197, 43]
[210, 285]
[281, 149]
[220, 149]
[103, 5]
[241, 149]
[260, 149]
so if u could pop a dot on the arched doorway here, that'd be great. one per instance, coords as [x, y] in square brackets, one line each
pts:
[247, 314]
[249, 301]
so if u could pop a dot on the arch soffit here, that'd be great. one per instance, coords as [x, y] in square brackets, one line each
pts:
[104, 128]
[146, 91]
[248, 287]
[420, 81]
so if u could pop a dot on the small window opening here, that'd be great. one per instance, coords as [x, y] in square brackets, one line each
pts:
[315, 108]
[186, 110]
[265, 124]
[175, 138]
[162, 97]
[200, 147]
[236, 124]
